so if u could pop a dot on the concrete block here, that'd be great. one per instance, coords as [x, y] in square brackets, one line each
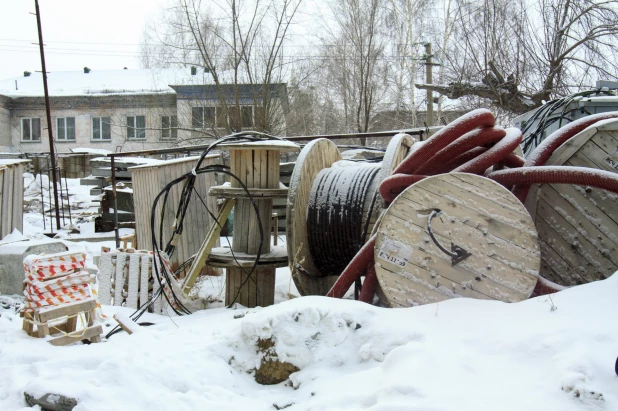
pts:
[12, 261]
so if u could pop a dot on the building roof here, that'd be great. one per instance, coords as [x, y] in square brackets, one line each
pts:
[103, 82]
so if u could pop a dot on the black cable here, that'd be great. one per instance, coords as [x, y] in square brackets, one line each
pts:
[534, 128]
[335, 228]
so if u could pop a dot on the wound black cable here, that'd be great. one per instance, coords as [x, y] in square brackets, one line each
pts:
[335, 215]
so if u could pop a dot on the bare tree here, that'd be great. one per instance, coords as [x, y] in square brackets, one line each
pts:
[355, 52]
[239, 45]
[518, 53]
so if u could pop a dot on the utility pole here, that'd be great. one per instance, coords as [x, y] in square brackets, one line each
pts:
[429, 80]
[52, 153]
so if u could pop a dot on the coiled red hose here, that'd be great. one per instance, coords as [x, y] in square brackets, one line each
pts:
[558, 175]
[428, 148]
[494, 155]
[471, 139]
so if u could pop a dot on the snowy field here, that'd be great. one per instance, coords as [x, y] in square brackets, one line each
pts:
[549, 353]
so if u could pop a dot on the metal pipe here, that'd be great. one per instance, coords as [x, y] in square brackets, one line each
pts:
[66, 184]
[42, 199]
[48, 112]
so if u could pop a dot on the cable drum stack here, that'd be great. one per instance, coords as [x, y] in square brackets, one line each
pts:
[452, 221]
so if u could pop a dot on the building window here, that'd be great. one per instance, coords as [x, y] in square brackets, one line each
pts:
[65, 128]
[169, 127]
[136, 127]
[202, 117]
[101, 128]
[197, 117]
[247, 116]
[31, 129]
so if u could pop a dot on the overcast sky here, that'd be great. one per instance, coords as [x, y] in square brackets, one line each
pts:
[102, 35]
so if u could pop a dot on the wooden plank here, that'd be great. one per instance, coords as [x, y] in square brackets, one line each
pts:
[589, 210]
[158, 302]
[144, 277]
[119, 278]
[207, 245]
[577, 261]
[76, 336]
[53, 312]
[579, 241]
[588, 231]
[105, 278]
[2, 195]
[8, 211]
[555, 268]
[133, 280]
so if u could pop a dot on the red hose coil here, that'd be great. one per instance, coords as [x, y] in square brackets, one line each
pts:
[558, 175]
[471, 139]
[428, 148]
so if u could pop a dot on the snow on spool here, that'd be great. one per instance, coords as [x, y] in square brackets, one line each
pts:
[308, 271]
[456, 235]
[578, 226]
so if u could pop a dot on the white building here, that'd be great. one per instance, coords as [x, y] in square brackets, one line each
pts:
[126, 110]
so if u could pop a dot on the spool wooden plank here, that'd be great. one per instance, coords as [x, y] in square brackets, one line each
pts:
[316, 156]
[578, 226]
[411, 267]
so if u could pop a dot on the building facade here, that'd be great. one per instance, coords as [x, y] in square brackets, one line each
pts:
[128, 110]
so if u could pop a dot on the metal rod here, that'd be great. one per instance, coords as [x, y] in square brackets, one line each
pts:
[115, 200]
[42, 199]
[49, 189]
[68, 199]
[64, 222]
[429, 80]
[48, 112]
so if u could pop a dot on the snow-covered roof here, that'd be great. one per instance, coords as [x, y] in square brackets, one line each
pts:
[103, 82]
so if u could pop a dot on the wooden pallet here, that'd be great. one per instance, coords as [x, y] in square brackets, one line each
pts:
[63, 320]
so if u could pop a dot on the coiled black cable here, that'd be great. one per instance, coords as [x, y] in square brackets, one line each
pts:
[335, 228]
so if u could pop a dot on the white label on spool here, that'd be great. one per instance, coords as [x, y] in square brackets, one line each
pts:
[395, 252]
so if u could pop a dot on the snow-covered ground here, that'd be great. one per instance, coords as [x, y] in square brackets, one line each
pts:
[550, 353]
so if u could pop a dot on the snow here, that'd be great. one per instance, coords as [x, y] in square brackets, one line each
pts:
[460, 354]
[87, 150]
[100, 82]
[552, 353]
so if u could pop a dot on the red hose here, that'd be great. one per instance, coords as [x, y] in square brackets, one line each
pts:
[471, 139]
[369, 285]
[355, 268]
[558, 175]
[428, 148]
[393, 185]
[543, 151]
[494, 155]
[544, 287]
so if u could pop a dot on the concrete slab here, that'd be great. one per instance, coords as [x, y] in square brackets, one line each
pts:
[12, 261]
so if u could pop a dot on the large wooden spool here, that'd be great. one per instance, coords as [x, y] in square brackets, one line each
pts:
[477, 215]
[316, 156]
[256, 164]
[578, 226]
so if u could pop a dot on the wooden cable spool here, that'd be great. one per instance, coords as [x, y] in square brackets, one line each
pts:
[315, 157]
[578, 226]
[456, 235]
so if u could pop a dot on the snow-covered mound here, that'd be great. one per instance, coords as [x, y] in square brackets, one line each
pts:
[541, 354]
